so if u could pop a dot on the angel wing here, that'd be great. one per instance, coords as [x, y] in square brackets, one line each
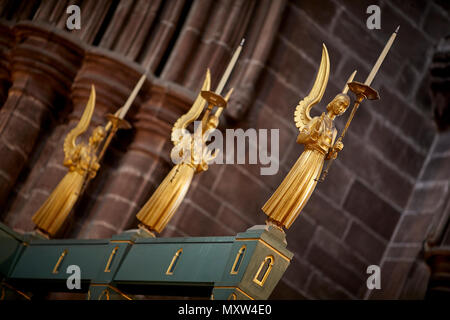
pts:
[193, 113]
[70, 140]
[301, 115]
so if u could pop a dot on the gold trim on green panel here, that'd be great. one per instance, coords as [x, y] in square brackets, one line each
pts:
[112, 288]
[60, 260]
[122, 241]
[232, 296]
[237, 289]
[104, 292]
[111, 256]
[238, 260]
[267, 245]
[174, 262]
[256, 278]
[16, 290]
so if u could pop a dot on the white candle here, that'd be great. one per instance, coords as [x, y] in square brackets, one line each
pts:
[229, 68]
[131, 98]
[381, 58]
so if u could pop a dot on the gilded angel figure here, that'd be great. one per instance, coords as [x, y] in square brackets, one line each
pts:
[318, 136]
[82, 162]
[191, 156]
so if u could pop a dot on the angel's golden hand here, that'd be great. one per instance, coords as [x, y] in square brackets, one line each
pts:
[95, 166]
[338, 146]
[68, 162]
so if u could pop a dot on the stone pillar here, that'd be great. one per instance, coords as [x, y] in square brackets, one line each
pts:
[260, 35]
[211, 32]
[209, 37]
[6, 43]
[43, 65]
[440, 84]
[146, 37]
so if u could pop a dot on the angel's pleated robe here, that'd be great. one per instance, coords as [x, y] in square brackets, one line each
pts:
[161, 206]
[291, 196]
[52, 214]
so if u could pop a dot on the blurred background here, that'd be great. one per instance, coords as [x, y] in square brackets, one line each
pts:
[386, 199]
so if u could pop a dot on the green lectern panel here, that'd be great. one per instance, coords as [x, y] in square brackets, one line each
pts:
[174, 262]
[50, 261]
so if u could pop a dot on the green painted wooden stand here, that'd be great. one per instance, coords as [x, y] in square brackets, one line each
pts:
[245, 266]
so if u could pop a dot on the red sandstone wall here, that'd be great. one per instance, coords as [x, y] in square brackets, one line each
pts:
[382, 197]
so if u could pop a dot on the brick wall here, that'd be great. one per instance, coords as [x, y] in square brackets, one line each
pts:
[384, 193]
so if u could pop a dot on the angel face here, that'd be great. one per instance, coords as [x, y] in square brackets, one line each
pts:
[339, 104]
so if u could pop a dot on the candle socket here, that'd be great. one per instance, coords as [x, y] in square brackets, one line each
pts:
[361, 89]
[213, 99]
[118, 123]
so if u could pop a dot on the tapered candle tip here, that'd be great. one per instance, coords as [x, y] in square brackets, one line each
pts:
[242, 42]
[396, 30]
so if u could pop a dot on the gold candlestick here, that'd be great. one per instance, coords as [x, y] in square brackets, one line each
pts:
[362, 91]
[116, 120]
[346, 87]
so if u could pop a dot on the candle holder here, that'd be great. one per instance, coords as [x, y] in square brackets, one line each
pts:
[213, 99]
[116, 124]
[362, 91]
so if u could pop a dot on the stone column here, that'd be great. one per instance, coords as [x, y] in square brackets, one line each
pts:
[43, 65]
[260, 35]
[6, 43]
[209, 38]
[146, 37]
[440, 84]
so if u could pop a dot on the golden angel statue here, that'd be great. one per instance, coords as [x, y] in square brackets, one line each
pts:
[82, 162]
[318, 136]
[191, 156]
